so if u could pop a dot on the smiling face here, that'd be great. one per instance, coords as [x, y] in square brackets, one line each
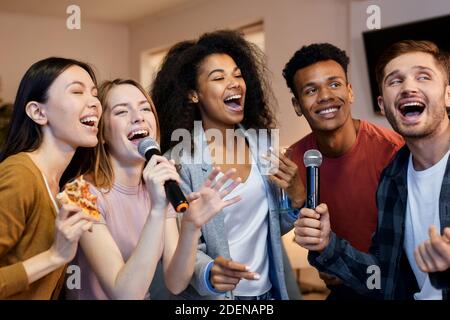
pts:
[323, 95]
[73, 109]
[128, 119]
[220, 91]
[415, 95]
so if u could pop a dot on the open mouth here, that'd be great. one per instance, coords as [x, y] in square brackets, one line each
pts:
[411, 109]
[136, 136]
[329, 112]
[234, 102]
[90, 121]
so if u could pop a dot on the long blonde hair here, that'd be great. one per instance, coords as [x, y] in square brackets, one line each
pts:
[100, 171]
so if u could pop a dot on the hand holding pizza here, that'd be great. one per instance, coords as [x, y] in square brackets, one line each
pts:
[76, 215]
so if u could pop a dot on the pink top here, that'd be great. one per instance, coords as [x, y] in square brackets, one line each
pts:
[125, 211]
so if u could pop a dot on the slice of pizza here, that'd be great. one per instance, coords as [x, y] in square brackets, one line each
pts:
[77, 193]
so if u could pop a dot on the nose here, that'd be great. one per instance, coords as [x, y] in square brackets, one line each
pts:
[324, 95]
[94, 102]
[136, 116]
[234, 83]
[409, 86]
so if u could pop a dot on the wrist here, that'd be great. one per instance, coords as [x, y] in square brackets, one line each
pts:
[55, 258]
[189, 226]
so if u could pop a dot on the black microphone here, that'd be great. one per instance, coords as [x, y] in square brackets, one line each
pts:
[149, 147]
[312, 160]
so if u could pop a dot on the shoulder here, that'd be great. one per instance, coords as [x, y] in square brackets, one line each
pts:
[382, 135]
[19, 171]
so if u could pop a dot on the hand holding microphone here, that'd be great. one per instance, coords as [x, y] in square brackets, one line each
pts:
[149, 148]
[312, 228]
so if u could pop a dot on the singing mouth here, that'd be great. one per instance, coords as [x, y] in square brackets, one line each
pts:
[411, 108]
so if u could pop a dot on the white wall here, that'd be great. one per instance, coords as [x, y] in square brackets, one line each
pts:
[288, 25]
[26, 39]
[393, 12]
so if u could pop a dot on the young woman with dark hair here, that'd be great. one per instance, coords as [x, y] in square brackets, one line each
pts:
[56, 110]
[220, 80]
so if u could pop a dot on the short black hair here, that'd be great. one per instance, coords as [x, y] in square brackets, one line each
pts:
[311, 54]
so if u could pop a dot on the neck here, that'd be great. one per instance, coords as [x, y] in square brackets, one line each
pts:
[52, 158]
[427, 151]
[336, 143]
[127, 174]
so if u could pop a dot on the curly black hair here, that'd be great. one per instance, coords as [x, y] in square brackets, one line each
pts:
[178, 74]
[309, 55]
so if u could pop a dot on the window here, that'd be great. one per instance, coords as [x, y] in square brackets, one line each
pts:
[151, 60]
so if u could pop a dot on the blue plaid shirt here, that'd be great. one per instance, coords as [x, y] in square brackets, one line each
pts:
[386, 252]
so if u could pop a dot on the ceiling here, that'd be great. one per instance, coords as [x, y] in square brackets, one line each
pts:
[115, 11]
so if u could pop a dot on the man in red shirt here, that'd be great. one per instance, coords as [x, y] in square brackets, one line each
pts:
[354, 151]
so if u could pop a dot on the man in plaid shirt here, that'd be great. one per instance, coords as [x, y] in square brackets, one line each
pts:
[408, 258]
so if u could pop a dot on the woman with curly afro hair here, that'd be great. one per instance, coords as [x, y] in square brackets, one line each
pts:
[212, 88]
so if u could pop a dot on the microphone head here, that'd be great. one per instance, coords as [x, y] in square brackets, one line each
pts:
[147, 144]
[312, 158]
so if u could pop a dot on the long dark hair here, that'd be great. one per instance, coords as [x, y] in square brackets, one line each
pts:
[178, 76]
[25, 135]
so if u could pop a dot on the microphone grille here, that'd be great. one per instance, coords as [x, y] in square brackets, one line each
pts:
[147, 144]
[313, 158]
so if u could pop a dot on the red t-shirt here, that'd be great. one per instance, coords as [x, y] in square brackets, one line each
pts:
[348, 183]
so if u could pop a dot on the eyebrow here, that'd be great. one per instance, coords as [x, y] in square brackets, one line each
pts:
[222, 70]
[422, 68]
[125, 104]
[312, 83]
[81, 84]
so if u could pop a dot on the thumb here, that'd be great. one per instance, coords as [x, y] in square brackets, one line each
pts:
[322, 209]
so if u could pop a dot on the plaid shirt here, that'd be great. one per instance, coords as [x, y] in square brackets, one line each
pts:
[386, 252]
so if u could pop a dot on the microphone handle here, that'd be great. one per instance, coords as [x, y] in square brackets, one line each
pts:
[175, 196]
[312, 187]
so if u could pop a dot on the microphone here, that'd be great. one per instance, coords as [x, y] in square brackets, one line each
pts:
[312, 160]
[149, 147]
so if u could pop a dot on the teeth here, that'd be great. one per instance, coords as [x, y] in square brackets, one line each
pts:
[411, 104]
[236, 96]
[328, 110]
[136, 132]
[89, 119]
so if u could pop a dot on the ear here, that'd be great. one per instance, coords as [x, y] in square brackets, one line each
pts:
[193, 96]
[36, 112]
[351, 96]
[447, 96]
[297, 108]
[381, 104]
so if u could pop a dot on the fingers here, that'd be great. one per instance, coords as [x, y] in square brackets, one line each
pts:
[309, 213]
[231, 201]
[66, 210]
[227, 176]
[230, 188]
[420, 263]
[427, 259]
[212, 177]
[193, 196]
[229, 264]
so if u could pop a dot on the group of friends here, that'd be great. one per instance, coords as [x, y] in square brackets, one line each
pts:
[384, 193]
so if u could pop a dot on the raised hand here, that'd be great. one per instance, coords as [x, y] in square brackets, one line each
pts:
[226, 274]
[312, 228]
[287, 177]
[208, 201]
[433, 255]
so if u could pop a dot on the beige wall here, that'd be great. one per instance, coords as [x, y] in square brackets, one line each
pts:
[26, 39]
[393, 12]
[288, 25]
